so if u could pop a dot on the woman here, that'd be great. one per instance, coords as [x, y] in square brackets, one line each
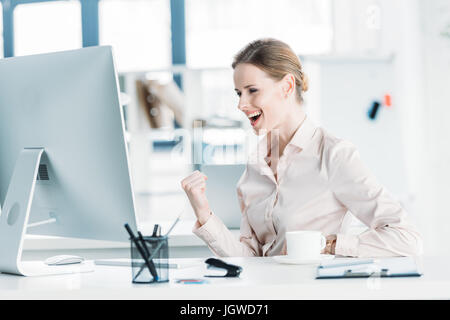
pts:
[306, 179]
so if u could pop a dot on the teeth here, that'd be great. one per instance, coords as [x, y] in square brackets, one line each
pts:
[254, 114]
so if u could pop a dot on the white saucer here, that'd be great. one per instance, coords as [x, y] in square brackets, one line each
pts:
[288, 260]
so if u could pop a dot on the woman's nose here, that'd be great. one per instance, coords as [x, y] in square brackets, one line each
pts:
[242, 105]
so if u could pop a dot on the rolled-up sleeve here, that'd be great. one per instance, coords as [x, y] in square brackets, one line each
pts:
[390, 231]
[221, 240]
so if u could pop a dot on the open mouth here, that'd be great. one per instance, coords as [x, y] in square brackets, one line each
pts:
[254, 117]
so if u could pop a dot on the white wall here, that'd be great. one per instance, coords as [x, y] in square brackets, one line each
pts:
[402, 33]
[435, 16]
[411, 30]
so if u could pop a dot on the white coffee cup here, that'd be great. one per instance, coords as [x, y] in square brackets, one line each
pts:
[305, 245]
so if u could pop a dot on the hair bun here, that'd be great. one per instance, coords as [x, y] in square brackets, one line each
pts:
[305, 82]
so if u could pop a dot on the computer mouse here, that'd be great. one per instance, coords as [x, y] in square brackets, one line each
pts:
[62, 260]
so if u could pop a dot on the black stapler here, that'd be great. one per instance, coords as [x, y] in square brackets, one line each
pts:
[231, 269]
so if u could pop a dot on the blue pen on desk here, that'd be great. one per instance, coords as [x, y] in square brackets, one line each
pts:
[192, 281]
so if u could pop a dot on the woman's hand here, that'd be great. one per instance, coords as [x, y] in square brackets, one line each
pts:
[331, 244]
[195, 185]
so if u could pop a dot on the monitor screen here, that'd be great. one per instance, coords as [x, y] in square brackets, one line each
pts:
[68, 104]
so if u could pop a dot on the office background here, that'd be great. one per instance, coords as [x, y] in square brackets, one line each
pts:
[354, 52]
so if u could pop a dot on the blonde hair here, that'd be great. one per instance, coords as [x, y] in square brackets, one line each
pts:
[275, 58]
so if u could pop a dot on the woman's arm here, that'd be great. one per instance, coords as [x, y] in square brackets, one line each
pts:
[223, 243]
[389, 233]
[211, 229]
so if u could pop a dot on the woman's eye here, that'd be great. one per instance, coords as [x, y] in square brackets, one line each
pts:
[238, 94]
[252, 90]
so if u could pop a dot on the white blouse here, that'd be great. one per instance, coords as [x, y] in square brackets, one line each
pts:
[319, 178]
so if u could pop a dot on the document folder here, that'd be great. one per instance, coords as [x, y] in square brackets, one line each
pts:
[387, 267]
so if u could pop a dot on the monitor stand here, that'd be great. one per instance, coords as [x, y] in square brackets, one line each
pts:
[14, 220]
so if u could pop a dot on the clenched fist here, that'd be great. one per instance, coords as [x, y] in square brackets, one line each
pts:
[195, 185]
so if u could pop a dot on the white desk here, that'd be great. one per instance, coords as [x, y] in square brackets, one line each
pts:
[262, 278]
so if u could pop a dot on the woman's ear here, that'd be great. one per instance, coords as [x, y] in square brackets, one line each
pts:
[288, 85]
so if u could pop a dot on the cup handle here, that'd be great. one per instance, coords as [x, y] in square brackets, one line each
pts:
[323, 242]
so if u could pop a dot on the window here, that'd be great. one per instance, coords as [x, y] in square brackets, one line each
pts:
[139, 31]
[47, 27]
[1, 31]
[216, 30]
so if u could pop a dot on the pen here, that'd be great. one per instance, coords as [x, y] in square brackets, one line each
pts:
[147, 252]
[142, 253]
[161, 243]
[152, 256]
[173, 225]
[141, 238]
[155, 230]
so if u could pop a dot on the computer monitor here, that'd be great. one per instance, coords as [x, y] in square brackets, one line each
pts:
[221, 191]
[61, 120]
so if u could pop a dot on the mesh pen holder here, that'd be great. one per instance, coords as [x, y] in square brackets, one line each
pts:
[157, 270]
